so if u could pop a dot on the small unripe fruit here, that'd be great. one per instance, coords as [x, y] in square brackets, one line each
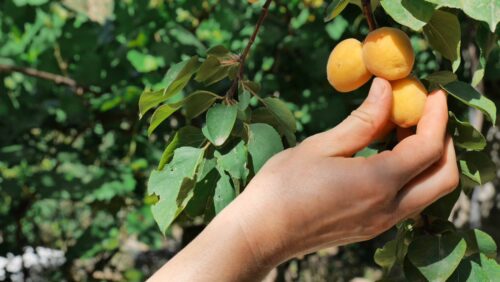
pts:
[388, 54]
[345, 69]
[409, 97]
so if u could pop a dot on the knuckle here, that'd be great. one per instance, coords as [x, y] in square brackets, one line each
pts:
[436, 150]
[453, 180]
[310, 143]
[365, 118]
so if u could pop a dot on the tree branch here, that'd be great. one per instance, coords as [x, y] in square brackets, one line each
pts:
[367, 10]
[57, 79]
[244, 55]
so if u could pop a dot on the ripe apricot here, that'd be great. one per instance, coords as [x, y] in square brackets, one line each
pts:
[345, 69]
[388, 54]
[409, 96]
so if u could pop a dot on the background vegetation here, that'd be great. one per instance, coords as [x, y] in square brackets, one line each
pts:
[75, 157]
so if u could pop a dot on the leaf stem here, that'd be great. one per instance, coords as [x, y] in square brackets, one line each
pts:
[244, 55]
[367, 11]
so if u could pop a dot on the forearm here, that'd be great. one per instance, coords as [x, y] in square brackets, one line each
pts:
[225, 251]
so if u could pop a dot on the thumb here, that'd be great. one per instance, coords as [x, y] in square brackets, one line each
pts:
[363, 125]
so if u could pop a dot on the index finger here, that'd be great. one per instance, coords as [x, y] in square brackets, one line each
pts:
[416, 153]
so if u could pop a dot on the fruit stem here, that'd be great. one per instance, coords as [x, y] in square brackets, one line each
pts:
[367, 10]
[243, 56]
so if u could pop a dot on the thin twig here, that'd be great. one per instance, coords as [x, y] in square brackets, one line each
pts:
[244, 55]
[367, 10]
[57, 79]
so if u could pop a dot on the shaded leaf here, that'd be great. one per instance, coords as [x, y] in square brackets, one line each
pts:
[437, 257]
[220, 123]
[480, 242]
[466, 94]
[218, 51]
[235, 162]
[335, 8]
[208, 68]
[444, 35]
[408, 13]
[465, 135]
[263, 143]
[167, 184]
[478, 167]
[281, 112]
[481, 10]
[224, 193]
[188, 136]
[161, 114]
[198, 102]
[176, 78]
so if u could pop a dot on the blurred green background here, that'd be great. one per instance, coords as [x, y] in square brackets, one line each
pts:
[74, 160]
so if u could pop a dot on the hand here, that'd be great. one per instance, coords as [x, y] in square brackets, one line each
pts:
[316, 195]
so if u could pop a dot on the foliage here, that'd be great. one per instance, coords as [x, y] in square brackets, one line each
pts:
[75, 159]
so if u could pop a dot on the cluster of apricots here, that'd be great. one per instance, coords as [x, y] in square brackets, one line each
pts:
[386, 53]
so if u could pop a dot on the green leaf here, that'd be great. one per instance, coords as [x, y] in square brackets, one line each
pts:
[437, 257]
[176, 78]
[444, 35]
[263, 143]
[490, 266]
[412, 274]
[198, 102]
[385, 257]
[250, 86]
[414, 15]
[144, 62]
[202, 200]
[220, 123]
[244, 100]
[235, 162]
[469, 271]
[465, 135]
[466, 94]
[281, 112]
[218, 51]
[224, 193]
[335, 8]
[480, 242]
[188, 136]
[178, 175]
[485, 42]
[478, 167]
[482, 10]
[442, 208]
[367, 152]
[161, 114]
[220, 74]
[441, 77]
[208, 68]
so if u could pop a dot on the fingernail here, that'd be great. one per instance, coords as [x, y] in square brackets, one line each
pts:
[377, 90]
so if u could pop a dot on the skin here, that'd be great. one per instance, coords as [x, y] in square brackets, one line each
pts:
[387, 53]
[316, 195]
[346, 70]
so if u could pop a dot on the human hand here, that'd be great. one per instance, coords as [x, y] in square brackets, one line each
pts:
[316, 195]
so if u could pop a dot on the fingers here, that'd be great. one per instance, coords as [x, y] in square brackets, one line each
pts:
[437, 181]
[360, 128]
[417, 152]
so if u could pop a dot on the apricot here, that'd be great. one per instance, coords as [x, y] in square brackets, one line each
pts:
[409, 97]
[345, 69]
[388, 54]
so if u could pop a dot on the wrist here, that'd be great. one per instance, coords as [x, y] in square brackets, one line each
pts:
[263, 229]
